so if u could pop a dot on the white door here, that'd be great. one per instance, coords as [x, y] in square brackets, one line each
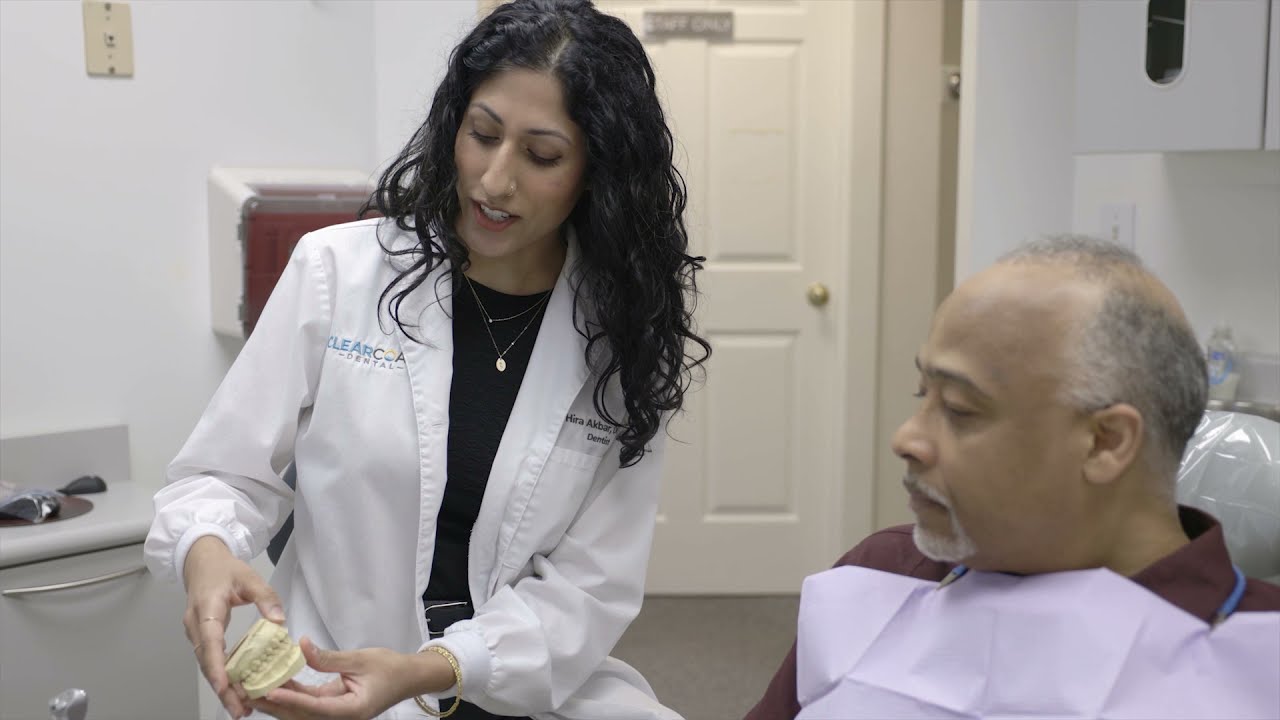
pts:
[752, 491]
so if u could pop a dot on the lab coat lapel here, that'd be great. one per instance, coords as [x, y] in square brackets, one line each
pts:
[557, 371]
[429, 363]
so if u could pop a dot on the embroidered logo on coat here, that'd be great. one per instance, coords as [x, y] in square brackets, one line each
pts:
[366, 353]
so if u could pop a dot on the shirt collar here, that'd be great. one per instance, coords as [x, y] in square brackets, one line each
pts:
[1196, 577]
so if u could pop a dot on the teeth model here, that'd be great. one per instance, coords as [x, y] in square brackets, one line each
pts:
[494, 215]
[264, 659]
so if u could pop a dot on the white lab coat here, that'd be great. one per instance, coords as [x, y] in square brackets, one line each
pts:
[559, 550]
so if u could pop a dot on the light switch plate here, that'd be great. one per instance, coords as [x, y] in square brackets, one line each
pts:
[108, 39]
[1115, 224]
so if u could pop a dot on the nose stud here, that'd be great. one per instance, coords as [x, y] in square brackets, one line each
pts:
[511, 189]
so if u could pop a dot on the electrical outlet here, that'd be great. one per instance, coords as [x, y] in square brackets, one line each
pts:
[108, 39]
[1115, 224]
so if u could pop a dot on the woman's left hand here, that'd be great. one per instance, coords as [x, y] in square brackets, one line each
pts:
[371, 681]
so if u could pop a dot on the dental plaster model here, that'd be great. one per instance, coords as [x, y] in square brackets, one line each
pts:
[264, 659]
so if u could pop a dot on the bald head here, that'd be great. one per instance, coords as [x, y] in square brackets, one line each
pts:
[1099, 263]
[1023, 308]
[1125, 338]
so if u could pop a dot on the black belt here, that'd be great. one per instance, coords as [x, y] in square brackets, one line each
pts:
[443, 613]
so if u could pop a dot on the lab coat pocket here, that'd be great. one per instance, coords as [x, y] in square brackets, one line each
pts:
[554, 501]
[573, 459]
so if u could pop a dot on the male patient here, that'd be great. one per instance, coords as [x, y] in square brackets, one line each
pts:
[1050, 572]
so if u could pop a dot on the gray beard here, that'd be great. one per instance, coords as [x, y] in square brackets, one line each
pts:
[956, 548]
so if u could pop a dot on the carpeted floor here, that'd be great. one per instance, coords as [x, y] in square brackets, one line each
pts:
[710, 658]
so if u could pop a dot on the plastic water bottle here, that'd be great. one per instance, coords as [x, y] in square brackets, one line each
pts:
[1223, 375]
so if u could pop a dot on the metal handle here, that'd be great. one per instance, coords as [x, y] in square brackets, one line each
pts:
[74, 583]
[818, 295]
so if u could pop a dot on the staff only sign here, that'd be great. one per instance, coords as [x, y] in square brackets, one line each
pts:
[662, 24]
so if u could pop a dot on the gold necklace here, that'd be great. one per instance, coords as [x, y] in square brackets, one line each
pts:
[491, 319]
[501, 364]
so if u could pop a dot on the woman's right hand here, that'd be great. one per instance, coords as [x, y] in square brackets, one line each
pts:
[217, 581]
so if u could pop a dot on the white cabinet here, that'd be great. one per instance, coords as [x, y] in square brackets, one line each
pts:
[1174, 75]
[119, 638]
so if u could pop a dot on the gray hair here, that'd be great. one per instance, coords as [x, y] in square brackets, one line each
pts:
[1134, 350]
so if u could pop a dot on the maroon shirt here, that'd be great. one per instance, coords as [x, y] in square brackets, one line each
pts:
[1196, 577]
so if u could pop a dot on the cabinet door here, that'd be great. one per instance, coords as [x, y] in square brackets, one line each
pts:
[1215, 101]
[120, 639]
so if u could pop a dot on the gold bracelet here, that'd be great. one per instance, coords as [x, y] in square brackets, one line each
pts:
[457, 677]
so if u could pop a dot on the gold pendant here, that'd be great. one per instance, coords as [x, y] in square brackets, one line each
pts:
[501, 364]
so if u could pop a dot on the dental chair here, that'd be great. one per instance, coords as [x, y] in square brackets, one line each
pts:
[1231, 470]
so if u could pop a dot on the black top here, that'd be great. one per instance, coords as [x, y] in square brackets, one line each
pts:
[480, 401]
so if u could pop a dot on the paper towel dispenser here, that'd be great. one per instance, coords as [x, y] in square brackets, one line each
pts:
[256, 216]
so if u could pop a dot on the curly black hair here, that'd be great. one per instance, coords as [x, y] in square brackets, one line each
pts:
[637, 289]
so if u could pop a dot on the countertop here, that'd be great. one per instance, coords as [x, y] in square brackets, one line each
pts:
[120, 516]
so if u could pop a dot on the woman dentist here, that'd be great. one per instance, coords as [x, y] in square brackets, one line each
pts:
[473, 390]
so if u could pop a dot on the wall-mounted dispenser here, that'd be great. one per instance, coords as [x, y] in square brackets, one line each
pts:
[256, 216]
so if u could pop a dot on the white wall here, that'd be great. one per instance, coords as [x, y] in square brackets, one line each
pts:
[1016, 126]
[103, 259]
[410, 58]
[1208, 224]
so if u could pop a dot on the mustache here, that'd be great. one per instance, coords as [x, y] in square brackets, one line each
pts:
[912, 483]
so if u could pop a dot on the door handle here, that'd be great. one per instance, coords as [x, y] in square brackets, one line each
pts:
[74, 583]
[818, 294]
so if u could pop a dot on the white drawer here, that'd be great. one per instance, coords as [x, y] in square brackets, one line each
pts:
[117, 634]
